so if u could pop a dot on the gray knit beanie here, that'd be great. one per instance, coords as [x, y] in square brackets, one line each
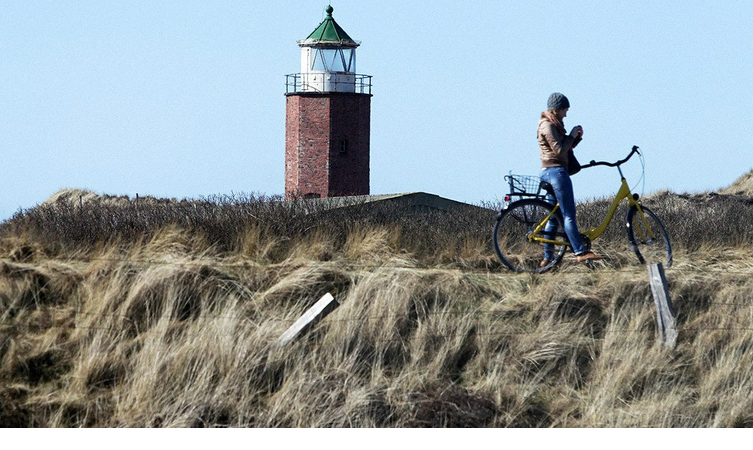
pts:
[557, 101]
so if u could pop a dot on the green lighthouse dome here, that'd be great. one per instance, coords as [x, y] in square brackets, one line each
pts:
[329, 33]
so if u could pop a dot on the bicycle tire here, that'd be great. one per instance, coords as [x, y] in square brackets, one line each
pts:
[514, 224]
[649, 249]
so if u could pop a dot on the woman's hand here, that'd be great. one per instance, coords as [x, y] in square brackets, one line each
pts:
[577, 132]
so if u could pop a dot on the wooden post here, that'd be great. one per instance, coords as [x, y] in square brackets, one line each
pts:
[665, 312]
[320, 310]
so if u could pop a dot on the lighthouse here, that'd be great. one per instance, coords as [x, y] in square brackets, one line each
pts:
[327, 118]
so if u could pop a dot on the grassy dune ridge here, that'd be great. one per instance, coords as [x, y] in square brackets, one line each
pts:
[165, 314]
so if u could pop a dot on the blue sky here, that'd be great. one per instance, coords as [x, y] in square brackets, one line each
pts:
[186, 98]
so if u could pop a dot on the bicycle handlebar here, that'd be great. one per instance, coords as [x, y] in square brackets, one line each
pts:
[614, 164]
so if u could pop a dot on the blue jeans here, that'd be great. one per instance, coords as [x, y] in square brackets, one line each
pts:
[563, 190]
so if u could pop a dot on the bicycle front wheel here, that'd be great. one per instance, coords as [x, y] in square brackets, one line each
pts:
[648, 237]
[516, 226]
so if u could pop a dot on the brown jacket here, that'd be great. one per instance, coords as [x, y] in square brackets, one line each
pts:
[554, 144]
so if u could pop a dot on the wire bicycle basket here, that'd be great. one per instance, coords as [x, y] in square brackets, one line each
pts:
[523, 186]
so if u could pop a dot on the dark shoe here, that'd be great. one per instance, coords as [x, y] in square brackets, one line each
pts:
[590, 256]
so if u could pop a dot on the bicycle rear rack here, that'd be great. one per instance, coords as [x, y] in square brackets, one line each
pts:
[523, 186]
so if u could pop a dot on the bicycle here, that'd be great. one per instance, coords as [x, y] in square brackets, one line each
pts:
[525, 225]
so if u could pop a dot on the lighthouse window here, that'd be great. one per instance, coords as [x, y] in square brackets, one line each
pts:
[317, 63]
[333, 60]
[349, 57]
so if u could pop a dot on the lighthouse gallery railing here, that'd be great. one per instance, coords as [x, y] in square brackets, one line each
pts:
[337, 82]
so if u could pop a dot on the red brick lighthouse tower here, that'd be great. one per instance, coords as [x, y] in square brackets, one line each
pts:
[328, 118]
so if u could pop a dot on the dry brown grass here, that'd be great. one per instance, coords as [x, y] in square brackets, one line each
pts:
[742, 186]
[175, 325]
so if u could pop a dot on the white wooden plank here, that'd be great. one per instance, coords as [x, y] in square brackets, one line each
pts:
[321, 309]
[665, 313]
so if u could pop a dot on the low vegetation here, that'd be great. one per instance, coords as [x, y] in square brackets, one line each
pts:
[156, 313]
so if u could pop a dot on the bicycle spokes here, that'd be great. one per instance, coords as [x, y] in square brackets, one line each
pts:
[526, 234]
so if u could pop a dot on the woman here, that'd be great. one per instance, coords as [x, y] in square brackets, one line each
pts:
[555, 145]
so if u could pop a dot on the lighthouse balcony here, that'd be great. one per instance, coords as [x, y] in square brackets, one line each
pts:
[323, 82]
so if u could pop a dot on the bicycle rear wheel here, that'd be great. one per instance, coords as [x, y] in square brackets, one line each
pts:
[515, 224]
[649, 240]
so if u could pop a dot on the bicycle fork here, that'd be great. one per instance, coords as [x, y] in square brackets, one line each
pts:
[640, 231]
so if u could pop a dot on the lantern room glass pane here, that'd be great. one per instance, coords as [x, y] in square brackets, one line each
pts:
[349, 56]
[334, 60]
[317, 63]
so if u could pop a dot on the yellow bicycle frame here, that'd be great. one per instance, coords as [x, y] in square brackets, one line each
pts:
[623, 193]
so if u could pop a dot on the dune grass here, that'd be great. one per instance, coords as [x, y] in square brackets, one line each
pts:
[166, 314]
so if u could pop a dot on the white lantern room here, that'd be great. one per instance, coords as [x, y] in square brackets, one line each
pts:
[328, 59]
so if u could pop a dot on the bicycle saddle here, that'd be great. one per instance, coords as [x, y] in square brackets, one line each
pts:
[547, 187]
